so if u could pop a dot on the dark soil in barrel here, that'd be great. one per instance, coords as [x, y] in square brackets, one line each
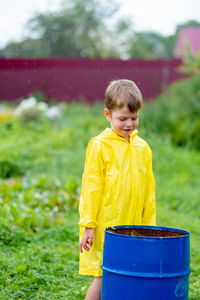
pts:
[147, 232]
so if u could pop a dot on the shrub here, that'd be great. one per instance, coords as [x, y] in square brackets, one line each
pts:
[33, 110]
[9, 169]
[176, 112]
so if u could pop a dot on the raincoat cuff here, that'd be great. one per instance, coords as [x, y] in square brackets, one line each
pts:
[89, 224]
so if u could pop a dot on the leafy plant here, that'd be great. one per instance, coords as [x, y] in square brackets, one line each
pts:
[191, 62]
[32, 110]
[9, 169]
[33, 204]
[176, 113]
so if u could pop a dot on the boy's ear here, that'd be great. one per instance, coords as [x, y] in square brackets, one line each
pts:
[107, 114]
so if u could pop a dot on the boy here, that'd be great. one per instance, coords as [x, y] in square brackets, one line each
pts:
[118, 185]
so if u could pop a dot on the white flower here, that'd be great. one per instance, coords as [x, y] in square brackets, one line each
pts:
[43, 106]
[28, 103]
[18, 111]
[25, 104]
[29, 106]
[53, 112]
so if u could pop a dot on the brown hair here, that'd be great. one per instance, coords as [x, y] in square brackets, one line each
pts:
[123, 92]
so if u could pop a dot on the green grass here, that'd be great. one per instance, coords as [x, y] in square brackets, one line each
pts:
[38, 256]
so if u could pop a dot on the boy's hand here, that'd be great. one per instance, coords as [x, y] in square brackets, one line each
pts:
[87, 239]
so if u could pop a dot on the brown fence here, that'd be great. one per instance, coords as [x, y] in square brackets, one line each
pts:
[68, 79]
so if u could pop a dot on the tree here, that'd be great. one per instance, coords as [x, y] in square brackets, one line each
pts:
[77, 30]
[26, 48]
[89, 28]
[120, 37]
[147, 44]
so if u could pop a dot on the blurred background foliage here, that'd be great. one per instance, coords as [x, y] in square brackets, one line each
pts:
[176, 113]
[83, 28]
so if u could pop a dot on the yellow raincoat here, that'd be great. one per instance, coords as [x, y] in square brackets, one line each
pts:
[117, 189]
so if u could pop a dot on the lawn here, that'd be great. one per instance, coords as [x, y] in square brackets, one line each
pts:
[39, 197]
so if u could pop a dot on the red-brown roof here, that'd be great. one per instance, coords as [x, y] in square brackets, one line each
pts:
[191, 36]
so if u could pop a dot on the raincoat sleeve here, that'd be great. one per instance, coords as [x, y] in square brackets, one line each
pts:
[92, 185]
[149, 211]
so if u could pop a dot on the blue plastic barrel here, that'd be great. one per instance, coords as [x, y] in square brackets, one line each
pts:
[145, 267]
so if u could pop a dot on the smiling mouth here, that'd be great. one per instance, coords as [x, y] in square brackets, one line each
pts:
[127, 130]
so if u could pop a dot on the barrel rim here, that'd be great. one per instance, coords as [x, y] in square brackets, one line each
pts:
[145, 274]
[186, 233]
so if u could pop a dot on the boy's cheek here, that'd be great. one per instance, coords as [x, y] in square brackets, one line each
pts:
[118, 124]
[136, 123]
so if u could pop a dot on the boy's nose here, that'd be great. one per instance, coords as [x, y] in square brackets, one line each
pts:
[129, 123]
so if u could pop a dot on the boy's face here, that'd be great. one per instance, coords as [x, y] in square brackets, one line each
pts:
[122, 121]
